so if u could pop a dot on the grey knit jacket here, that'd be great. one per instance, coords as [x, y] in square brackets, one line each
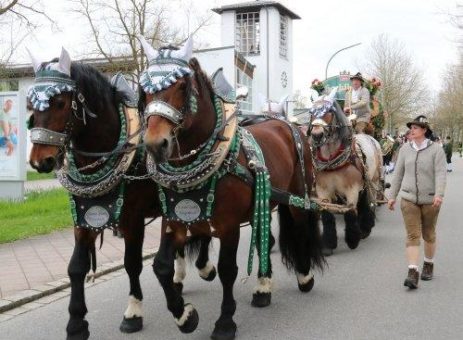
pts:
[419, 175]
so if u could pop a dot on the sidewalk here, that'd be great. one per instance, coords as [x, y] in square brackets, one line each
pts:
[43, 184]
[39, 264]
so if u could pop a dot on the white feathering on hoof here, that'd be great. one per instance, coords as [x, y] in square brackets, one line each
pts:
[180, 269]
[304, 279]
[204, 272]
[186, 314]
[134, 308]
[264, 285]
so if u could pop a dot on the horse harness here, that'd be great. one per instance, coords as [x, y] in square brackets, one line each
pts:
[96, 199]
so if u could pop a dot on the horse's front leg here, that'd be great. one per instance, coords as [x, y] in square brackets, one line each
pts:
[185, 316]
[205, 268]
[262, 296]
[79, 266]
[351, 218]
[225, 327]
[133, 231]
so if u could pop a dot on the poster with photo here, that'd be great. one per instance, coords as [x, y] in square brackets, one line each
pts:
[10, 141]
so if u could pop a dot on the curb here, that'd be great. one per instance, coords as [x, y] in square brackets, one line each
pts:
[10, 302]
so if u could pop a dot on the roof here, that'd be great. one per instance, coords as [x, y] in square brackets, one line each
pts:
[123, 64]
[256, 5]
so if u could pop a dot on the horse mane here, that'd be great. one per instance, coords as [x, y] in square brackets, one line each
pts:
[203, 80]
[94, 85]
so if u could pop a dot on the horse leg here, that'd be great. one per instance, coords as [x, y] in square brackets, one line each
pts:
[79, 266]
[366, 215]
[225, 327]
[330, 237]
[133, 232]
[185, 316]
[180, 270]
[300, 244]
[262, 295]
[206, 269]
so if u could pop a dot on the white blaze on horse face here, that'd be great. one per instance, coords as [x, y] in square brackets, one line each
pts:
[36, 63]
[134, 308]
[264, 285]
[180, 269]
[150, 52]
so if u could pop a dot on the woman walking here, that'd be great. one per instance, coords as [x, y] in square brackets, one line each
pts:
[420, 176]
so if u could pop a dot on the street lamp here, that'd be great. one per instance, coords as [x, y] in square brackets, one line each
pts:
[335, 53]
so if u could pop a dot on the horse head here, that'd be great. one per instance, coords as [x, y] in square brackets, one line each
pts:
[323, 116]
[51, 100]
[63, 98]
[175, 90]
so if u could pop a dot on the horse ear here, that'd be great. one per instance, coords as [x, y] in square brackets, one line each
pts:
[186, 51]
[65, 62]
[284, 99]
[332, 95]
[262, 99]
[35, 62]
[150, 52]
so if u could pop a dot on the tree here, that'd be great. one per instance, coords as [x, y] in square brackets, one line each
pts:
[115, 24]
[18, 19]
[403, 90]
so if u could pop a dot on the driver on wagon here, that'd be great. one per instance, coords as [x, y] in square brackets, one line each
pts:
[358, 103]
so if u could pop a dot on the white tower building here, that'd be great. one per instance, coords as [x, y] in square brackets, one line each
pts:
[262, 32]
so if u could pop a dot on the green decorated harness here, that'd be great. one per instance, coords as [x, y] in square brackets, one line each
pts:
[187, 193]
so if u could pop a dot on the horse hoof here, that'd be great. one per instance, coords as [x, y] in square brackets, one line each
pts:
[211, 276]
[327, 251]
[189, 320]
[178, 286]
[307, 287]
[261, 299]
[224, 331]
[77, 330]
[131, 325]
[365, 234]
[353, 239]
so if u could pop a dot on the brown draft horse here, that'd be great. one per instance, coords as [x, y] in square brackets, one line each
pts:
[300, 242]
[99, 134]
[348, 168]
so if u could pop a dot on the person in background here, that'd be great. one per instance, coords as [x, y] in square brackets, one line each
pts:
[6, 133]
[421, 179]
[358, 103]
[460, 148]
[448, 148]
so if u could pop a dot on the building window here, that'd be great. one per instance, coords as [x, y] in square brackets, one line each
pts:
[242, 79]
[247, 31]
[283, 36]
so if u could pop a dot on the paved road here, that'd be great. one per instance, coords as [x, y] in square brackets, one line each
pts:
[360, 296]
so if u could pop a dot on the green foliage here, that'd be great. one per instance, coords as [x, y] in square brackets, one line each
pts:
[35, 176]
[41, 213]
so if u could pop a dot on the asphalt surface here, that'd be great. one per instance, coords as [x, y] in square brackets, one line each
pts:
[360, 295]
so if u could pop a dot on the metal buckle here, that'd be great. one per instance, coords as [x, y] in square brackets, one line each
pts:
[81, 97]
[74, 105]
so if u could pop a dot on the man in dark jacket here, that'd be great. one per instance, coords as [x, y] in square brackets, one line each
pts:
[448, 148]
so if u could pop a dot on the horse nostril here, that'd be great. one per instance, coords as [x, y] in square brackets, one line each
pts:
[165, 143]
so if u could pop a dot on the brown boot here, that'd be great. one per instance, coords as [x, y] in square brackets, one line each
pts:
[412, 279]
[427, 273]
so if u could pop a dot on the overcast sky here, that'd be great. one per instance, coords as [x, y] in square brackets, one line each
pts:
[325, 27]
